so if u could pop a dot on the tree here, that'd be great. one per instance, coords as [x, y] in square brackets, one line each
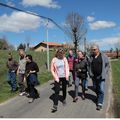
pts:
[4, 44]
[75, 28]
[117, 45]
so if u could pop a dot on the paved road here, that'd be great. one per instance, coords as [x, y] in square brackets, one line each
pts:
[19, 107]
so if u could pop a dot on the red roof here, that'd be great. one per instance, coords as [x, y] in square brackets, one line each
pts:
[49, 43]
[52, 43]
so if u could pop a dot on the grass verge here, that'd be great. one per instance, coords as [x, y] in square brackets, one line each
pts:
[116, 86]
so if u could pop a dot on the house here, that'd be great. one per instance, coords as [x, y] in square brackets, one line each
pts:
[42, 46]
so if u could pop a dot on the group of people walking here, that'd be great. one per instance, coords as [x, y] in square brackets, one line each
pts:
[78, 68]
[26, 69]
[66, 70]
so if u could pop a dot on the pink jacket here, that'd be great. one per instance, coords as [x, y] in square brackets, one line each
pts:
[55, 71]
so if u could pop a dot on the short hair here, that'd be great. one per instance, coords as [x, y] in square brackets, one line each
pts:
[94, 45]
[83, 53]
[30, 57]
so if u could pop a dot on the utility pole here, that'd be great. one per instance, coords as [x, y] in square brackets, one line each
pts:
[85, 45]
[47, 46]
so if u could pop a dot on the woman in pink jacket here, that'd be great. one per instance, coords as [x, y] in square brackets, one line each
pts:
[60, 72]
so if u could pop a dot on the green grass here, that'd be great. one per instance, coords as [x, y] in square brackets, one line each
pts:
[43, 74]
[116, 84]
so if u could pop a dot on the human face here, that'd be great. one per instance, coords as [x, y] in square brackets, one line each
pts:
[28, 60]
[80, 55]
[71, 52]
[95, 50]
[21, 53]
[60, 53]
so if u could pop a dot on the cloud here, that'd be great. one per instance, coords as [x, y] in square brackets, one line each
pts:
[10, 3]
[90, 19]
[44, 3]
[101, 25]
[107, 42]
[18, 21]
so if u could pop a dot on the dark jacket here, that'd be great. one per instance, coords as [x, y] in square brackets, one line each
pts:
[32, 77]
[81, 68]
[105, 67]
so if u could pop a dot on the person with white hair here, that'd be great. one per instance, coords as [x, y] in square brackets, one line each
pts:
[98, 70]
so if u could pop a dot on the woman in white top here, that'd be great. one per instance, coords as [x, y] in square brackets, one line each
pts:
[60, 72]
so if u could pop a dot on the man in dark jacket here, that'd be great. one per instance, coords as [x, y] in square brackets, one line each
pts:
[99, 66]
[31, 75]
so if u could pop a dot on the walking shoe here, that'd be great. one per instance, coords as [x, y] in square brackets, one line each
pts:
[99, 107]
[75, 99]
[54, 109]
[83, 97]
[31, 100]
[23, 93]
[86, 89]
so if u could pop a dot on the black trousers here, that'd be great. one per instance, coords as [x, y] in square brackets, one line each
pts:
[57, 90]
[31, 89]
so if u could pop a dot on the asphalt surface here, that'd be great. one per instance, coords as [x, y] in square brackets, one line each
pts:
[19, 107]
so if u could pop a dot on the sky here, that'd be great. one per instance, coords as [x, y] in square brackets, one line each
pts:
[102, 20]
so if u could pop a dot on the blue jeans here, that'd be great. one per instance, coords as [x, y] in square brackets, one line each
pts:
[84, 83]
[100, 88]
[31, 82]
[12, 80]
[71, 77]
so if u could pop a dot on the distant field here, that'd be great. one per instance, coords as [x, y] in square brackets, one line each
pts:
[43, 75]
[116, 85]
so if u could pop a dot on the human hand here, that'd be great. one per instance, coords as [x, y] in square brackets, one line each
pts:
[79, 70]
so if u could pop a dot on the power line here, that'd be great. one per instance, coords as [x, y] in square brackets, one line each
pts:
[31, 13]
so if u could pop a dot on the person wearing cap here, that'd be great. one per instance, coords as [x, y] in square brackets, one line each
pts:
[98, 70]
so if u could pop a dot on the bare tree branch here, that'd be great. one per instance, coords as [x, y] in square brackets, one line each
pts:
[75, 28]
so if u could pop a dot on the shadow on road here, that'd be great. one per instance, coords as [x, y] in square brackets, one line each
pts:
[52, 97]
[91, 97]
[71, 93]
[88, 96]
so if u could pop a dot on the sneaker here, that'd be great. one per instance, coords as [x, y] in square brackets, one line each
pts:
[54, 109]
[83, 97]
[86, 89]
[27, 95]
[22, 93]
[31, 100]
[75, 99]
[99, 107]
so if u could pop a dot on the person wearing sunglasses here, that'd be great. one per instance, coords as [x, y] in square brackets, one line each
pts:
[98, 70]
[60, 72]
